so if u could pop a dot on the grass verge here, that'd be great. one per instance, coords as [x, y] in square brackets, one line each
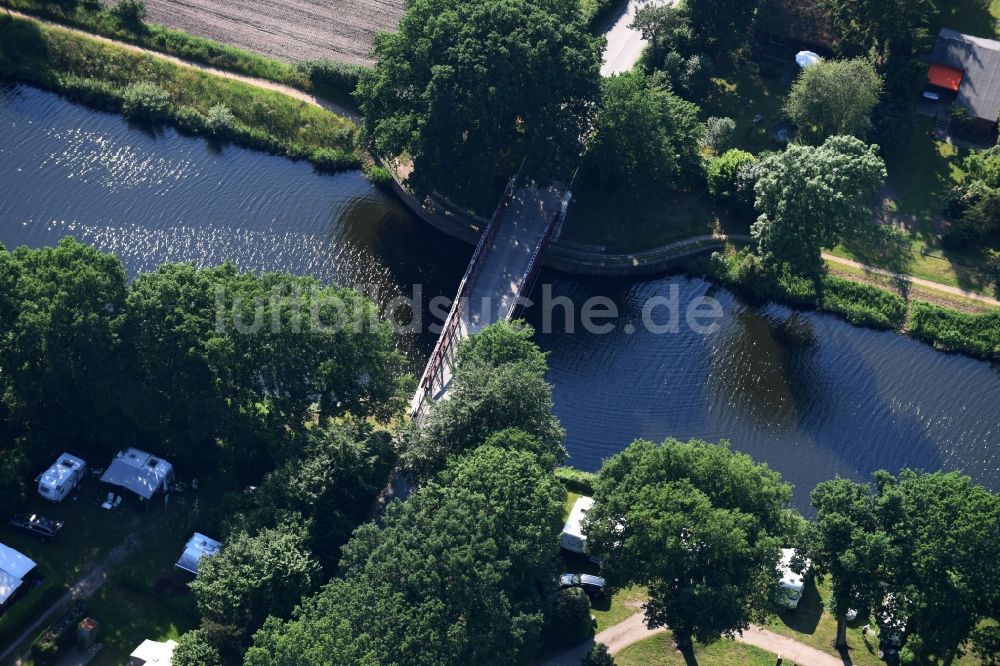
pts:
[333, 80]
[659, 650]
[113, 78]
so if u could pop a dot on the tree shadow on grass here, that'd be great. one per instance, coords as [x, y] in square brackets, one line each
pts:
[805, 618]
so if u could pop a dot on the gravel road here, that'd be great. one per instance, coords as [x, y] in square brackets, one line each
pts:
[289, 30]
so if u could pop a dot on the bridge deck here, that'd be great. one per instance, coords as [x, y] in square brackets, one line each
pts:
[500, 279]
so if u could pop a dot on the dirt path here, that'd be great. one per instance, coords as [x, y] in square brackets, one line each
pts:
[633, 629]
[242, 78]
[81, 589]
[930, 284]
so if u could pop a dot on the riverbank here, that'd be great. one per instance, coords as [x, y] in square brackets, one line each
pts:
[153, 88]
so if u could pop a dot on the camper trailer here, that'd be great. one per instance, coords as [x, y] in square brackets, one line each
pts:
[64, 475]
[790, 588]
[573, 538]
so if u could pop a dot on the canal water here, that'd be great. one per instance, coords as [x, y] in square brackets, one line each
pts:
[811, 395]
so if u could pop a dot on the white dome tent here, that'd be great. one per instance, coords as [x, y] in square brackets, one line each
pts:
[807, 59]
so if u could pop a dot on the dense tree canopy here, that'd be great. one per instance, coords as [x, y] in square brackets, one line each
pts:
[59, 353]
[207, 367]
[885, 26]
[469, 88]
[646, 137]
[945, 538]
[336, 472]
[834, 97]
[722, 24]
[452, 578]
[255, 576]
[499, 383]
[809, 198]
[699, 525]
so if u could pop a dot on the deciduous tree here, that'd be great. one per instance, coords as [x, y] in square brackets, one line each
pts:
[469, 88]
[645, 137]
[847, 542]
[809, 198]
[699, 525]
[834, 97]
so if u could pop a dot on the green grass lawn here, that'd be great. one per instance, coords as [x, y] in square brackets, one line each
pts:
[147, 597]
[922, 170]
[745, 91]
[659, 650]
[89, 534]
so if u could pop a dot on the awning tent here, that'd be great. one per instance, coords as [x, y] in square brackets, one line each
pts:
[8, 586]
[197, 547]
[942, 76]
[139, 472]
[14, 563]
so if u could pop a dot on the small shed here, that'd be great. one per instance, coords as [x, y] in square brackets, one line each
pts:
[969, 67]
[197, 547]
[153, 652]
[142, 473]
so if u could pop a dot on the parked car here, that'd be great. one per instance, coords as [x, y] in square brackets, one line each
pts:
[592, 585]
[39, 526]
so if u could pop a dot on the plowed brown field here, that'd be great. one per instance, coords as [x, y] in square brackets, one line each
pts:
[289, 30]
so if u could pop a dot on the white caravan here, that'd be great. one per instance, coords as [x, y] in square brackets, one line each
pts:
[789, 591]
[65, 474]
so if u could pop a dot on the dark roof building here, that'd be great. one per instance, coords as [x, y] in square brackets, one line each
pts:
[969, 66]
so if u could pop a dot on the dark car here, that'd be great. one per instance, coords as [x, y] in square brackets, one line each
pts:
[592, 585]
[39, 526]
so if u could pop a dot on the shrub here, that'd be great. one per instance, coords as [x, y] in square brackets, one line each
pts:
[567, 621]
[378, 175]
[598, 655]
[130, 13]
[862, 304]
[330, 78]
[576, 480]
[220, 121]
[329, 159]
[950, 330]
[145, 100]
[194, 649]
[724, 171]
[190, 119]
[719, 133]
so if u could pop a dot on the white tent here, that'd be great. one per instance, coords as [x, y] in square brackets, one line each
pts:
[14, 563]
[807, 59]
[8, 586]
[140, 472]
[153, 652]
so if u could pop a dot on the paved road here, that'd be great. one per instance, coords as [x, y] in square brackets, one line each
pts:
[633, 629]
[625, 45]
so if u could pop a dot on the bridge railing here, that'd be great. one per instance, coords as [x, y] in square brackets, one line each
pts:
[450, 330]
[537, 257]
